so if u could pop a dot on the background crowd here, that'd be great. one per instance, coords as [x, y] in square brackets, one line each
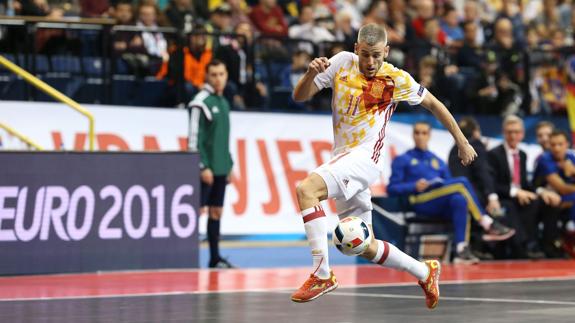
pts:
[479, 56]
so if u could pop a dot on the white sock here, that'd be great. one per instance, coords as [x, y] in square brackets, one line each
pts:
[315, 224]
[570, 226]
[389, 256]
[486, 222]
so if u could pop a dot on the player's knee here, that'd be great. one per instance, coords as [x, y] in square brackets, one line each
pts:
[311, 188]
[458, 200]
[215, 213]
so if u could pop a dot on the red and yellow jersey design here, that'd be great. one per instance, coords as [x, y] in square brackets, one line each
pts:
[362, 107]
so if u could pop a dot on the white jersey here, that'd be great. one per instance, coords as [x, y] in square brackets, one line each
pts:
[362, 108]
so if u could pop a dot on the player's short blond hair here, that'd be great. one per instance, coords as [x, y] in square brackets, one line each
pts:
[372, 34]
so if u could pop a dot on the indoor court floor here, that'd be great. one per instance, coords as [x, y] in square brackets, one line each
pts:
[542, 291]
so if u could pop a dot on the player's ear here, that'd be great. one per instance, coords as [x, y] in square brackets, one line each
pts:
[355, 49]
[386, 51]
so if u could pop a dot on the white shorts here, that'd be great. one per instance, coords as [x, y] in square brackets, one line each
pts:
[348, 177]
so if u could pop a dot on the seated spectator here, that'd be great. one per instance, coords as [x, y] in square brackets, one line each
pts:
[450, 26]
[269, 19]
[511, 11]
[307, 28]
[344, 31]
[399, 29]
[220, 22]
[426, 11]
[196, 56]
[478, 173]
[472, 12]
[375, 13]
[424, 178]
[125, 42]
[351, 8]
[238, 57]
[507, 50]
[470, 54]
[493, 92]
[557, 167]
[551, 235]
[178, 10]
[239, 10]
[154, 42]
[524, 208]
[427, 73]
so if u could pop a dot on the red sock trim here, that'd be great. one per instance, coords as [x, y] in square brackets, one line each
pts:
[319, 265]
[385, 253]
[318, 213]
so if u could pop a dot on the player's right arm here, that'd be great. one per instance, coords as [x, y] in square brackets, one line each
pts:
[306, 87]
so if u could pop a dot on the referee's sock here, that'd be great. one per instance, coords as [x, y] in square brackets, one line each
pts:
[213, 239]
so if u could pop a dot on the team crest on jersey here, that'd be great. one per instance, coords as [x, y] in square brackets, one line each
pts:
[377, 89]
[215, 109]
[414, 162]
[435, 163]
[343, 78]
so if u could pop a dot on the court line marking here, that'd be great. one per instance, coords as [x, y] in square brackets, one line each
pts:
[459, 299]
[282, 290]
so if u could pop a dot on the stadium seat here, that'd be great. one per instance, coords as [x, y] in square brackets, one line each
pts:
[66, 64]
[92, 66]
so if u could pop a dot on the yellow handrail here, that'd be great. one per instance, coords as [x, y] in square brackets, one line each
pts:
[20, 136]
[52, 92]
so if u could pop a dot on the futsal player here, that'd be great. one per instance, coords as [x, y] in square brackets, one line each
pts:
[366, 90]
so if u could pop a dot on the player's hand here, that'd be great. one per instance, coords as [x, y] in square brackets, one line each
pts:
[318, 65]
[525, 197]
[421, 185]
[207, 176]
[466, 153]
[550, 198]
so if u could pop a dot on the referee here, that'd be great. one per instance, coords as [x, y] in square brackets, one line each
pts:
[210, 136]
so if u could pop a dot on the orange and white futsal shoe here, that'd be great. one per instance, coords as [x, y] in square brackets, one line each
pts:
[431, 285]
[313, 288]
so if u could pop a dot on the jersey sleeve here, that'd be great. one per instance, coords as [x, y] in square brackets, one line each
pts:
[407, 89]
[547, 166]
[325, 79]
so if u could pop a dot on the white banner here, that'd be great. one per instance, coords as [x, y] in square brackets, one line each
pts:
[272, 152]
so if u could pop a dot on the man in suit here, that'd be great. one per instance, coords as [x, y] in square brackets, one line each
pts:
[514, 192]
[478, 173]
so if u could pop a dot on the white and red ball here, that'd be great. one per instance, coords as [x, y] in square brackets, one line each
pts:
[351, 236]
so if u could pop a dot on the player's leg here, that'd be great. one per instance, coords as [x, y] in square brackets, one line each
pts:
[340, 178]
[215, 202]
[453, 207]
[494, 231]
[388, 255]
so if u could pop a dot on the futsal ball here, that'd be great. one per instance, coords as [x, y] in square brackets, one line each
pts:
[351, 236]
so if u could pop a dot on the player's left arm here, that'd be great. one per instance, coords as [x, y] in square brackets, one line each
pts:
[466, 152]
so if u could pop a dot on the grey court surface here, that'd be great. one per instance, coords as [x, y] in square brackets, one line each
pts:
[542, 301]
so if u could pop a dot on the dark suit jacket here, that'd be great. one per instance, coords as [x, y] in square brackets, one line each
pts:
[478, 173]
[501, 174]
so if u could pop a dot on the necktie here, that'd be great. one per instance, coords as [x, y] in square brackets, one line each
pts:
[516, 170]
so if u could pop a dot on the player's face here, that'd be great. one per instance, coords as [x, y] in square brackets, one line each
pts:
[371, 57]
[217, 77]
[513, 133]
[543, 134]
[421, 136]
[558, 146]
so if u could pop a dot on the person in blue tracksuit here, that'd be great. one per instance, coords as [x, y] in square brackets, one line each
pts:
[425, 179]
